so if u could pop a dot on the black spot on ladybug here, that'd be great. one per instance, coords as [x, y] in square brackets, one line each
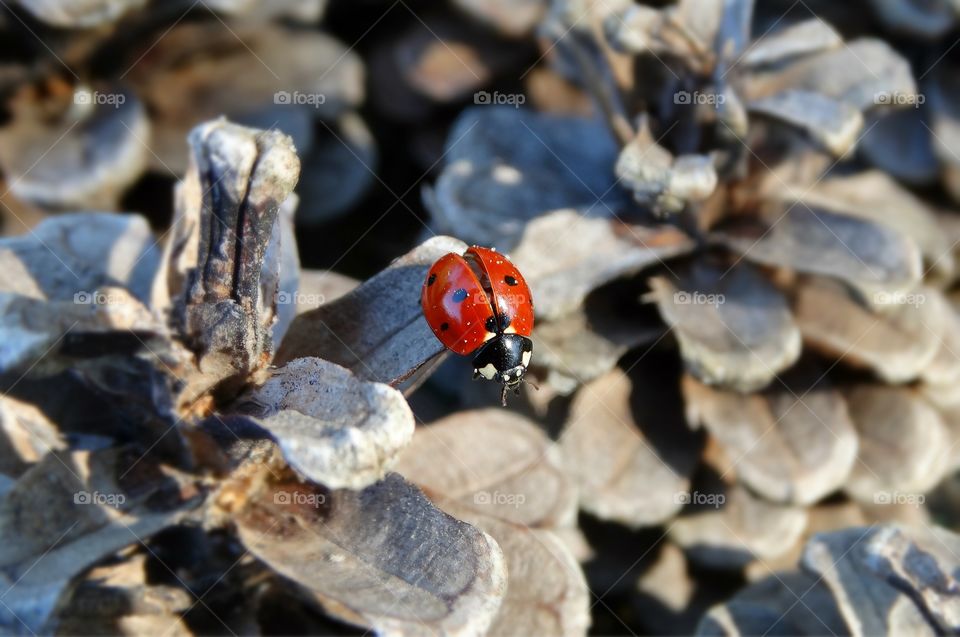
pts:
[433, 277]
[505, 321]
[509, 280]
[491, 324]
[459, 295]
[444, 327]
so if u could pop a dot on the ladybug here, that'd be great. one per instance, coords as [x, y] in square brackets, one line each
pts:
[478, 303]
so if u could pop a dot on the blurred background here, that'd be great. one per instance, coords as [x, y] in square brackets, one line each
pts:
[379, 85]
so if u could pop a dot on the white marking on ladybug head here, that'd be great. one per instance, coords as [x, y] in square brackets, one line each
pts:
[526, 359]
[488, 371]
[507, 175]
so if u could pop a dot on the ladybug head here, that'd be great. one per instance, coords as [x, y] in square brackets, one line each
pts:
[504, 359]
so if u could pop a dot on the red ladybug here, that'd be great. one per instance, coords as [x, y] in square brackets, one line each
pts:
[479, 304]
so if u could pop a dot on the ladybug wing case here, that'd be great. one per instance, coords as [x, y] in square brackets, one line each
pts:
[514, 305]
[457, 308]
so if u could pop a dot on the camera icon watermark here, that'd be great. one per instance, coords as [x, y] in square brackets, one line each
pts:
[886, 498]
[698, 298]
[515, 100]
[299, 499]
[299, 98]
[94, 297]
[896, 98]
[486, 498]
[114, 500]
[899, 298]
[699, 98]
[283, 297]
[84, 97]
[715, 500]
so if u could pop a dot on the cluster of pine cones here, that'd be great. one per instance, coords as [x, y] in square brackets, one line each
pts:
[222, 411]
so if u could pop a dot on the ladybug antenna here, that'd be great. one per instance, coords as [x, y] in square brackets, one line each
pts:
[532, 384]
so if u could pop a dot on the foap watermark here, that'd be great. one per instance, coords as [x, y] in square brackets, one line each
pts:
[114, 500]
[299, 298]
[715, 500]
[515, 100]
[899, 298]
[698, 97]
[84, 97]
[514, 299]
[299, 98]
[484, 498]
[299, 498]
[896, 497]
[698, 298]
[96, 297]
[896, 98]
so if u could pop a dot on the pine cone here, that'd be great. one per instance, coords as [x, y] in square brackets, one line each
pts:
[735, 224]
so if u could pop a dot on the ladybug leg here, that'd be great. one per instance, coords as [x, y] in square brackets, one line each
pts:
[503, 396]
